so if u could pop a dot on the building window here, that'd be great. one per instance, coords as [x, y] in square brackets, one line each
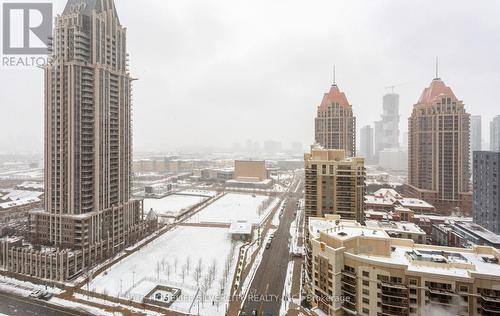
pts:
[366, 301]
[366, 274]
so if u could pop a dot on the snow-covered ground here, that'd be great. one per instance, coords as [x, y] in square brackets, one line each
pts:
[173, 205]
[23, 288]
[91, 299]
[232, 207]
[81, 307]
[287, 297]
[187, 258]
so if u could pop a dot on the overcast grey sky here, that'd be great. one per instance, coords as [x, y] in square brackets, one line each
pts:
[215, 72]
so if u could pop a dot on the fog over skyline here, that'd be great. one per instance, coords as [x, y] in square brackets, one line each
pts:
[212, 73]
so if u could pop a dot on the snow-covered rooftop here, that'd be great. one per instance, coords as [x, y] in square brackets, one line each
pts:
[403, 227]
[240, 228]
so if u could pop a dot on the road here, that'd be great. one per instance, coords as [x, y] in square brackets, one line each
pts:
[266, 291]
[14, 305]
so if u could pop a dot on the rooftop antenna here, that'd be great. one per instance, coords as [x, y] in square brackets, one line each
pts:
[437, 67]
[334, 79]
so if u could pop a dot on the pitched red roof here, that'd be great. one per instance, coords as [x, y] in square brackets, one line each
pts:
[334, 96]
[436, 90]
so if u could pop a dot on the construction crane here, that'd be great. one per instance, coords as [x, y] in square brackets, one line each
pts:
[394, 86]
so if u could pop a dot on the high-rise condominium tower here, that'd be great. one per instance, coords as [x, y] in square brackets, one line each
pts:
[88, 136]
[387, 129]
[495, 134]
[335, 124]
[439, 169]
[335, 184]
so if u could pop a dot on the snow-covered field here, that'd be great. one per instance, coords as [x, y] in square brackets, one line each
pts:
[173, 205]
[189, 258]
[232, 207]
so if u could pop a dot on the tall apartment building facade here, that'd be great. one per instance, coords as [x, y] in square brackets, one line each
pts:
[495, 134]
[387, 129]
[335, 184]
[88, 143]
[357, 270]
[438, 158]
[335, 124]
[486, 190]
[366, 143]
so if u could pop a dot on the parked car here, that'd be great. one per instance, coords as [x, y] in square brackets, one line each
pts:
[268, 245]
[36, 294]
[46, 296]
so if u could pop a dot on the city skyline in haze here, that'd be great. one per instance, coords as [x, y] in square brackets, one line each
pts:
[212, 74]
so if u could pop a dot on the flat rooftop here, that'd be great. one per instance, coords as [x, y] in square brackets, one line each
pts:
[480, 231]
[403, 227]
[411, 202]
[372, 199]
[342, 229]
[448, 261]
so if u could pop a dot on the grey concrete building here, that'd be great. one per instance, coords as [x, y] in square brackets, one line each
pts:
[486, 190]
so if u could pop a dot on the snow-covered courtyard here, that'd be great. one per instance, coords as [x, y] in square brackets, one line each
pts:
[236, 207]
[173, 205]
[198, 260]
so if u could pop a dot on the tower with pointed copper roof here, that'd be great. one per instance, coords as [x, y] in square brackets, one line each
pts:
[438, 157]
[335, 124]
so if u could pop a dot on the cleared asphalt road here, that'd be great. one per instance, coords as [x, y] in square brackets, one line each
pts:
[266, 292]
[13, 305]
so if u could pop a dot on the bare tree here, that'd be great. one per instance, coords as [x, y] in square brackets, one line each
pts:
[188, 265]
[198, 271]
[183, 273]
[176, 262]
[212, 272]
[158, 268]
[167, 270]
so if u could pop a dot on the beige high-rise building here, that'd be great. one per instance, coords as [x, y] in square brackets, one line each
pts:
[88, 143]
[438, 167]
[335, 184]
[335, 124]
[357, 270]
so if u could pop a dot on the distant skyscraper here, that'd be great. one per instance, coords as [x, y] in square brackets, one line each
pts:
[335, 124]
[387, 129]
[495, 134]
[366, 143]
[475, 133]
[486, 190]
[272, 147]
[439, 170]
